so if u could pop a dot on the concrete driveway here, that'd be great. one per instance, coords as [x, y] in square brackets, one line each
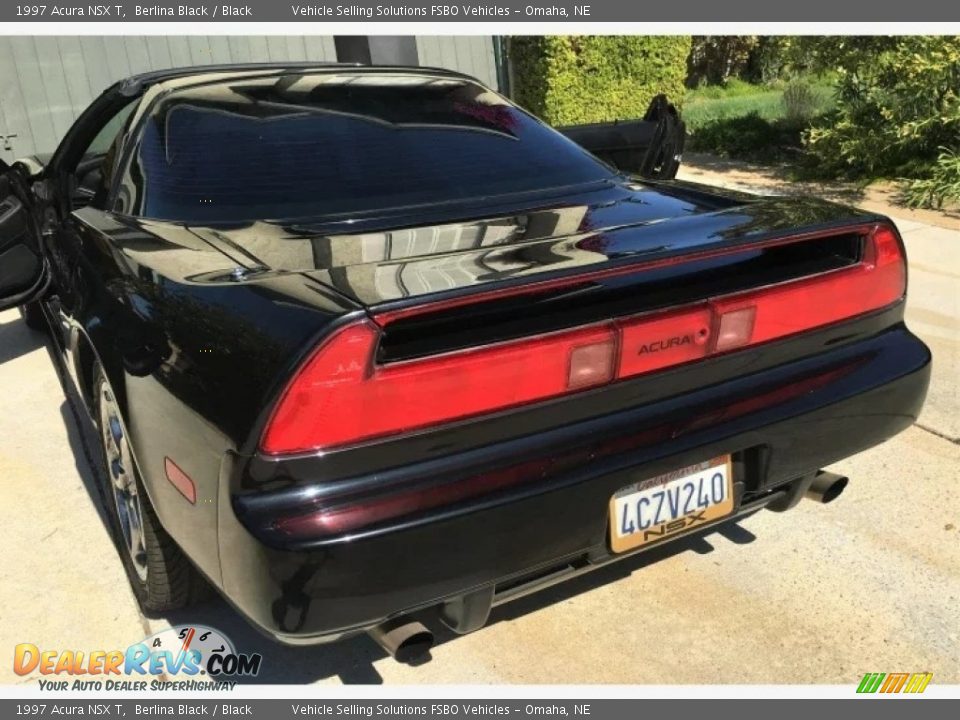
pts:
[819, 595]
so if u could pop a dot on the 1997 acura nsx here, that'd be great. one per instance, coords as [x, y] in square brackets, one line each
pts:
[367, 341]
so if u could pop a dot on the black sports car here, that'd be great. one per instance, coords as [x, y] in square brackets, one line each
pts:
[366, 341]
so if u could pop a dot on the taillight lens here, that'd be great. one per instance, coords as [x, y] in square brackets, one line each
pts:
[340, 396]
[878, 280]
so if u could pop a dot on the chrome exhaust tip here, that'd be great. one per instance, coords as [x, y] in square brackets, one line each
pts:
[826, 487]
[404, 640]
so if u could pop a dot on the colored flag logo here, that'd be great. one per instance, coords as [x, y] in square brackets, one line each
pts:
[894, 682]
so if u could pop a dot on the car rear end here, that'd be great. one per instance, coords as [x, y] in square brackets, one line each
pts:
[455, 450]
[535, 365]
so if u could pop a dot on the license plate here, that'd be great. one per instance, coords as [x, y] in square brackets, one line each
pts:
[669, 504]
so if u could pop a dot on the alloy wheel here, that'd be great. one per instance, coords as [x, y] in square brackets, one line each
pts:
[123, 482]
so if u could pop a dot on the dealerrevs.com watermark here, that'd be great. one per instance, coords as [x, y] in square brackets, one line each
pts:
[183, 658]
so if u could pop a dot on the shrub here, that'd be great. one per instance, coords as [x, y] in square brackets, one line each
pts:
[569, 80]
[748, 137]
[943, 185]
[897, 106]
[800, 102]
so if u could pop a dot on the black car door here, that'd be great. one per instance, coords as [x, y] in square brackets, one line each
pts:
[651, 147]
[36, 247]
[23, 270]
[80, 175]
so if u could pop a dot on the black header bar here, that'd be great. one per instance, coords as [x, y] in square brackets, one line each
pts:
[514, 11]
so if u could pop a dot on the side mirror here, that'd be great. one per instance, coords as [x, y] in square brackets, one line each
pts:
[32, 166]
[85, 189]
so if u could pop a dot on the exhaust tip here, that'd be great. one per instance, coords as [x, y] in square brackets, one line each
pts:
[405, 640]
[834, 490]
[826, 487]
[414, 647]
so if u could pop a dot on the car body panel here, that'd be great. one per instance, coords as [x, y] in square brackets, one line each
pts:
[634, 223]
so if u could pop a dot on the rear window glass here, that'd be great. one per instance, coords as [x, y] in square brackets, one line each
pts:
[328, 144]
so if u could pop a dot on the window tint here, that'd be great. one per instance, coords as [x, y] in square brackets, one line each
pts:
[93, 172]
[312, 146]
[108, 133]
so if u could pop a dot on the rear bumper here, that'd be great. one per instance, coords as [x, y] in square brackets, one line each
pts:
[781, 424]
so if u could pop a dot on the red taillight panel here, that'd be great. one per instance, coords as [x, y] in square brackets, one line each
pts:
[659, 340]
[342, 397]
[320, 407]
[782, 310]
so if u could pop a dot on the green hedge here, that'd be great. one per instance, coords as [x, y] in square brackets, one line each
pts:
[580, 79]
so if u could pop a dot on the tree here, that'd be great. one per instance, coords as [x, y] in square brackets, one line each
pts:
[898, 105]
[714, 59]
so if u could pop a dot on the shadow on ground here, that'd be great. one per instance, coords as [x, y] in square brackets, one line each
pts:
[886, 197]
[352, 660]
[17, 340]
[774, 179]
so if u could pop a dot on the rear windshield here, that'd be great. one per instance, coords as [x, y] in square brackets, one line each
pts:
[309, 146]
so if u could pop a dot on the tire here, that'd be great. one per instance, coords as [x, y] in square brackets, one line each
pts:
[161, 576]
[32, 315]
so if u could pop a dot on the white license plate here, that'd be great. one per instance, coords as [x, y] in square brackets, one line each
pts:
[669, 504]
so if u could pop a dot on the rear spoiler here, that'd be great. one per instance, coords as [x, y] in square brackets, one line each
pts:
[651, 147]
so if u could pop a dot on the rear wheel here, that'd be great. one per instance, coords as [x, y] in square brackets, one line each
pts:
[161, 576]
